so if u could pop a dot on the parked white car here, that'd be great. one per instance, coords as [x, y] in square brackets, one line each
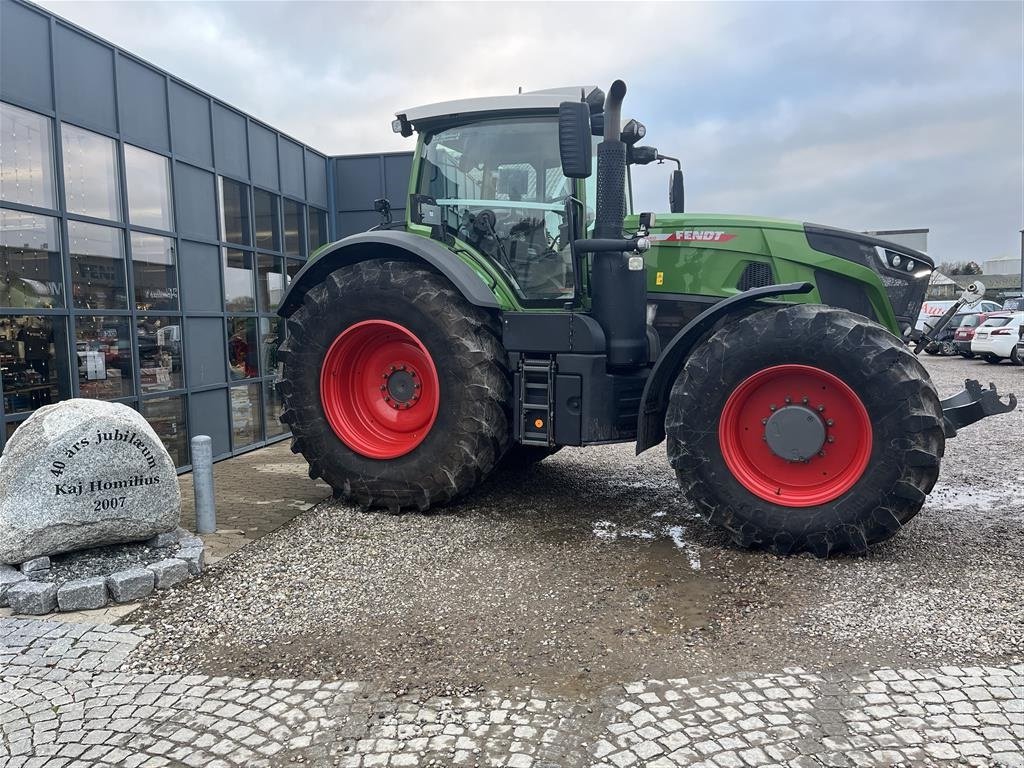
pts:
[996, 338]
[931, 311]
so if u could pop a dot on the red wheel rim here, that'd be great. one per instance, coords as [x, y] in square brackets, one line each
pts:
[379, 389]
[844, 425]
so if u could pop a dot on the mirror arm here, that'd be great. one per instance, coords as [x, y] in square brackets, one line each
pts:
[663, 158]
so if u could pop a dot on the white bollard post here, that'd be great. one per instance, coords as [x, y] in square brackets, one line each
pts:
[202, 483]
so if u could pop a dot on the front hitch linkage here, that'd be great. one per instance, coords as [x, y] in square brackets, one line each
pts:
[973, 404]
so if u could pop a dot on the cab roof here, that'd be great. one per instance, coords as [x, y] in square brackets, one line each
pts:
[546, 100]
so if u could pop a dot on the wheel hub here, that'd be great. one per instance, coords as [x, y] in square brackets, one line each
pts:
[401, 387]
[795, 433]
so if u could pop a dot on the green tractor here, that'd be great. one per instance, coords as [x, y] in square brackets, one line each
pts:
[521, 306]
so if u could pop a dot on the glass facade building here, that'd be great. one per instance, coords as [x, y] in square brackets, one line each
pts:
[147, 234]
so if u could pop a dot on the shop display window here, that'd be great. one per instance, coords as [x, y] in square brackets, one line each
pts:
[149, 188]
[246, 415]
[167, 417]
[273, 406]
[91, 185]
[234, 211]
[26, 158]
[30, 268]
[268, 220]
[159, 340]
[155, 272]
[270, 281]
[243, 348]
[97, 266]
[292, 228]
[103, 349]
[239, 290]
[33, 362]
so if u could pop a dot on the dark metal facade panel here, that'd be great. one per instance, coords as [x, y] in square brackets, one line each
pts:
[358, 181]
[397, 169]
[316, 178]
[190, 125]
[351, 222]
[292, 168]
[195, 202]
[25, 75]
[208, 415]
[84, 71]
[263, 156]
[199, 267]
[230, 145]
[205, 351]
[142, 104]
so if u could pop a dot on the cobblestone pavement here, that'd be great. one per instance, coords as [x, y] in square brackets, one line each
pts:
[64, 703]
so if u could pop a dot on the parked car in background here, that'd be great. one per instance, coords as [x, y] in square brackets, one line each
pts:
[1014, 304]
[965, 332]
[996, 338]
[945, 340]
[931, 311]
[1020, 344]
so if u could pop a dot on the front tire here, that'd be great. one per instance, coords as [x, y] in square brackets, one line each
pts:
[395, 387]
[861, 430]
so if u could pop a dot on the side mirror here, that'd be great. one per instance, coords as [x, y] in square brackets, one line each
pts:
[574, 145]
[676, 193]
[973, 293]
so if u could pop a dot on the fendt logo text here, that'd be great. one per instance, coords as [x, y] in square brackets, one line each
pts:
[693, 235]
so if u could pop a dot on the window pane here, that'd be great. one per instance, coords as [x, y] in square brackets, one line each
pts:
[271, 336]
[97, 266]
[149, 188]
[234, 211]
[239, 293]
[26, 158]
[33, 362]
[273, 406]
[268, 222]
[104, 350]
[243, 348]
[317, 229]
[292, 268]
[167, 417]
[155, 270]
[30, 269]
[90, 174]
[293, 228]
[270, 278]
[159, 353]
[246, 415]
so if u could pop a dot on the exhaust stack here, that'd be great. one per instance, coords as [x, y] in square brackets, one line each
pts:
[619, 294]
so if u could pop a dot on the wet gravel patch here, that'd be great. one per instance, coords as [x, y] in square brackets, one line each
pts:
[590, 570]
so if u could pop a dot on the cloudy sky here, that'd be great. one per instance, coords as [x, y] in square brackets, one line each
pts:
[864, 115]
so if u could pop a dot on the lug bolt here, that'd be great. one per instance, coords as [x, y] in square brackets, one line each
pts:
[788, 399]
[415, 386]
[401, 367]
[387, 399]
[830, 422]
[764, 421]
[771, 407]
[804, 400]
[821, 408]
[831, 439]
[382, 388]
[393, 369]
[821, 453]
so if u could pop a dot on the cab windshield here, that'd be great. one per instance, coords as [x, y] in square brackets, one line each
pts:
[500, 187]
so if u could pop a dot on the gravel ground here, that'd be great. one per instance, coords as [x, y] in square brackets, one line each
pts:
[589, 570]
[103, 561]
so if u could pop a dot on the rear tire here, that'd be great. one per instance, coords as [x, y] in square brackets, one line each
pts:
[888, 436]
[992, 359]
[1015, 356]
[451, 450]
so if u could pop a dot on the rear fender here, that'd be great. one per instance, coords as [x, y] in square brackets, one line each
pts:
[654, 402]
[388, 244]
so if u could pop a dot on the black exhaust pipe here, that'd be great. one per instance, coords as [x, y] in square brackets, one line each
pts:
[619, 294]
